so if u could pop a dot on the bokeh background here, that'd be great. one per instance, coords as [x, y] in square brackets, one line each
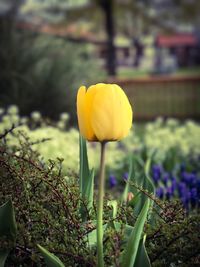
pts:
[48, 48]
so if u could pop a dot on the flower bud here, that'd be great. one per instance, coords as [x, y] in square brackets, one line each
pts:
[104, 112]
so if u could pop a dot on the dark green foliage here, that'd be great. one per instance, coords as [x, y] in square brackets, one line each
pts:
[47, 205]
[7, 230]
[50, 259]
[86, 179]
[175, 240]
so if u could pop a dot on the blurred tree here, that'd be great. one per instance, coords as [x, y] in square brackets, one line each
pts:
[41, 72]
[129, 17]
[107, 7]
[69, 11]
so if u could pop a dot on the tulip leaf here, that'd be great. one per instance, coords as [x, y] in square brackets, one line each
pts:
[146, 186]
[149, 186]
[8, 228]
[133, 202]
[130, 174]
[127, 230]
[131, 177]
[89, 190]
[50, 259]
[92, 236]
[142, 258]
[86, 183]
[134, 175]
[113, 204]
[130, 252]
[143, 181]
[84, 166]
[3, 256]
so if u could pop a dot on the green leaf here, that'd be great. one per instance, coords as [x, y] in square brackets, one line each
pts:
[130, 174]
[86, 180]
[84, 166]
[144, 181]
[142, 258]
[135, 165]
[135, 200]
[89, 190]
[50, 259]
[129, 255]
[127, 231]
[92, 236]
[149, 185]
[113, 204]
[151, 189]
[3, 257]
[8, 226]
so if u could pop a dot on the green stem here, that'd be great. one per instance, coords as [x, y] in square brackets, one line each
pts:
[100, 207]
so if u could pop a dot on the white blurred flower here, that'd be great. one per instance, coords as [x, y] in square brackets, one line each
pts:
[12, 109]
[36, 116]
[64, 116]
[1, 111]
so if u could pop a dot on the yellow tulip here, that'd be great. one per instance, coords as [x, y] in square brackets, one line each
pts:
[104, 112]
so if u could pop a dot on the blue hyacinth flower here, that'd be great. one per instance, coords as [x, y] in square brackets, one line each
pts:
[156, 173]
[112, 181]
[165, 178]
[125, 176]
[160, 192]
[169, 193]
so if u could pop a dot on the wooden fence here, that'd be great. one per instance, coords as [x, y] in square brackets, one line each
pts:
[151, 97]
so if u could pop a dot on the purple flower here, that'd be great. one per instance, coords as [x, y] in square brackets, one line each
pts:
[165, 178]
[198, 184]
[160, 192]
[193, 196]
[185, 203]
[174, 184]
[125, 176]
[182, 189]
[190, 179]
[156, 172]
[169, 193]
[112, 181]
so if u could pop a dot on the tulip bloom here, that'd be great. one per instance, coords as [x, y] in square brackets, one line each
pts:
[104, 112]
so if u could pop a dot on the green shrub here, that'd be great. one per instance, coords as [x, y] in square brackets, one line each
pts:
[175, 240]
[46, 208]
[47, 204]
[42, 72]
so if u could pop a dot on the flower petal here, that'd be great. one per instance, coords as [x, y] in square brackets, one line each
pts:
[83, 114]
[111, 115]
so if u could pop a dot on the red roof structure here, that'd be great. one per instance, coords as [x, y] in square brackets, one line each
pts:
[177, 40]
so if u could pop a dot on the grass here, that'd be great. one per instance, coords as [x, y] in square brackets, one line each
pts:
[127, 72]
[189, 71]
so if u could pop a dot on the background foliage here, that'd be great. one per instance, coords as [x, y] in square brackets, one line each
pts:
[42, 72]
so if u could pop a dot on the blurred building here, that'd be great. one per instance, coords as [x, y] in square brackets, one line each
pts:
[183, 46]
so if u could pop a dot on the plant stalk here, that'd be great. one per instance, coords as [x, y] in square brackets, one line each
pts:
[100, 207]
